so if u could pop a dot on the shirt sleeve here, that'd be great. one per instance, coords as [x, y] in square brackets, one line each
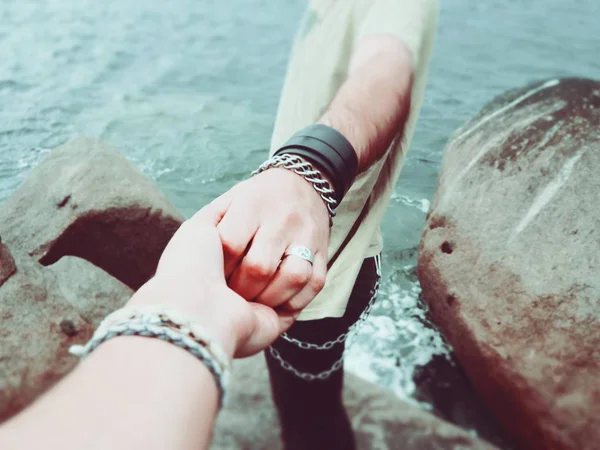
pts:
[412, 21]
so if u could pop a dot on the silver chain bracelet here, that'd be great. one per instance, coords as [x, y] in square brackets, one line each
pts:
[306, 170]
[351, 333]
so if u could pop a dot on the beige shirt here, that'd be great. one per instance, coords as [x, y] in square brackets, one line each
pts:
[320, 62]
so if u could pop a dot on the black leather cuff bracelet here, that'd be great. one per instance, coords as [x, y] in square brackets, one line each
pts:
[330, 151]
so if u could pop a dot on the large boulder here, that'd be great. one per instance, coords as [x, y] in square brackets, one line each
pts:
[509, 260]
[380, 420]
[7, 263]
[43, 311]
[86, 199]
[85, 213]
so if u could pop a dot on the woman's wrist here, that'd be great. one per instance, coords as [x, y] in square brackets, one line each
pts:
[193, 303]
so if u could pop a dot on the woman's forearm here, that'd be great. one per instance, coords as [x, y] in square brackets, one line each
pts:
[131, 393]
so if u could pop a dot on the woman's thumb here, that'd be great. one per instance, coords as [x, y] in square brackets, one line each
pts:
[268, 327]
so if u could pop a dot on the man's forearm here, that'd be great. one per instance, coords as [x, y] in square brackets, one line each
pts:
[373, 103]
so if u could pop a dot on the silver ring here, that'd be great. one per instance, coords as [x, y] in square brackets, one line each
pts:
[301, 252]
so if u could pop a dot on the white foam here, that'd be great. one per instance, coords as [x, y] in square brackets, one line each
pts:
[422, 204]
[395, 341]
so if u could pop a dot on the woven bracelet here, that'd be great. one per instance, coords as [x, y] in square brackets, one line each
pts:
[167, 325]
[306, 170]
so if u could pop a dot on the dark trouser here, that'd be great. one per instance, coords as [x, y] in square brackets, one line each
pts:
[311, 413]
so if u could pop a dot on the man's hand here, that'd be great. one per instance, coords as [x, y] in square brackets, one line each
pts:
[262, 218]
[191, 279]
[277, 209]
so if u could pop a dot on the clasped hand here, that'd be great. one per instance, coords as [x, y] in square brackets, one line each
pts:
[262, 218]
[226, 266]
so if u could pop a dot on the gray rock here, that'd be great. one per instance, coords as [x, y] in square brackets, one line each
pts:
[7, 264]
[510, 260]
[85, 199]
[43, 312]
[93, 293]
[37, 327]
[380, 420]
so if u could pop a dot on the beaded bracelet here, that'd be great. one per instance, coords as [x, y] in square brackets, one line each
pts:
[306, 170]
[167, 325]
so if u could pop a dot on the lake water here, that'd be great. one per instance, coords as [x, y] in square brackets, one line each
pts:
[188, 91]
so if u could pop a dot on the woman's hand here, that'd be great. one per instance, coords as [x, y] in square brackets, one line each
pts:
[190, 278]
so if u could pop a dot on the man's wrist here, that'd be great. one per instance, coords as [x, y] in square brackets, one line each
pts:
[315, 195]
[302, 167]
[322, 172]
[326, 148]
[350, 126]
